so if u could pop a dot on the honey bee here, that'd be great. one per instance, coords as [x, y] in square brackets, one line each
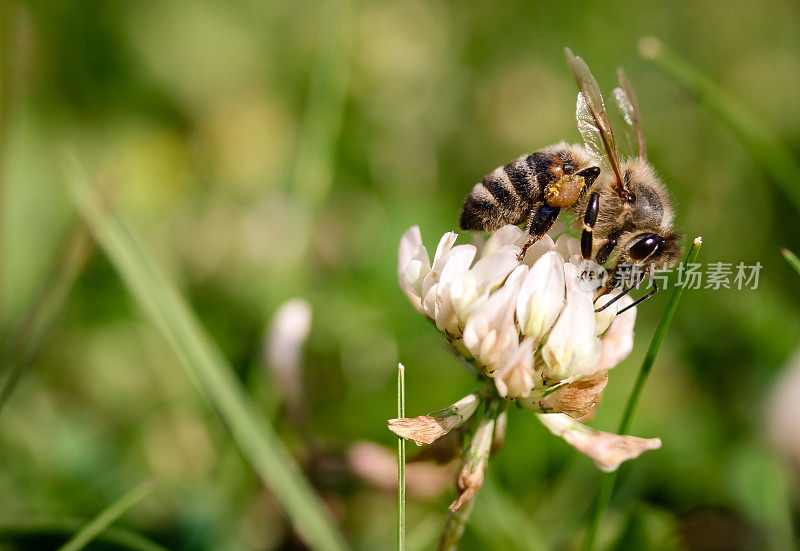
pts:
[622, 207]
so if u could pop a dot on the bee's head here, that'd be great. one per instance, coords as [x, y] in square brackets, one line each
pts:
[649, 251]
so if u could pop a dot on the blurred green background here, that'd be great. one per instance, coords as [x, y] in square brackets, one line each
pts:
[270, 150]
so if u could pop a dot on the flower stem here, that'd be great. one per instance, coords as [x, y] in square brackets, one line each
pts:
[475, 460]
[609, 479]
[401, 461]
[454, 527]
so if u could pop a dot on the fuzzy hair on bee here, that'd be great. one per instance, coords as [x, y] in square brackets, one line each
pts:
[540, 183]
[618, 223]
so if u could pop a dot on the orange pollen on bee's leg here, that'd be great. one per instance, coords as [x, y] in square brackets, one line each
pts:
[563, 193]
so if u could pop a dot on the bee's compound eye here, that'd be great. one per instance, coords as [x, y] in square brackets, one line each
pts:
[647, 244]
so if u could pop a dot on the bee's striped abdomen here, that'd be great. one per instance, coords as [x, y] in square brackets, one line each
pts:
[503, 197]
[523, 177]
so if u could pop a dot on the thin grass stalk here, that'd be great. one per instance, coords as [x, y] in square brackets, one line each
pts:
[655, 344]
[401, 461]
[21, 528]
[766, 147]
[108, 516]
[792, 259]
[169, 312]
[609, 479]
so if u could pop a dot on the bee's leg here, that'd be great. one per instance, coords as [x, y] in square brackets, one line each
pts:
[642, 299]
[539, 223]
[604, 251]
[589, 220]
[589, 176]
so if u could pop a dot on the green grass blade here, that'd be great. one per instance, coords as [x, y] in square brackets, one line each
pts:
[401, 461]
[66, 526]
[107, 517]
[655, 343]
[312, 171]
[764, 145]
[607, 483]
[792, 259]
[169, 312]
[609, 479]
[9, 16]
[36, 324]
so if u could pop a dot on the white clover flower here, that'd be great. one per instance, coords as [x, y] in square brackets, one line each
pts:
[507, 235]
[530, 328]
[413, 266]
[572, 347]
[488, 304]
[541, 297]
[517, 377]
[471, 290]
[618, 338]
[490, 333]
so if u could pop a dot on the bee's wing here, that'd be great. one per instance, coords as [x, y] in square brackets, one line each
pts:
[593, 122]
[626, 144]
[626, 101]
[589, 131]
